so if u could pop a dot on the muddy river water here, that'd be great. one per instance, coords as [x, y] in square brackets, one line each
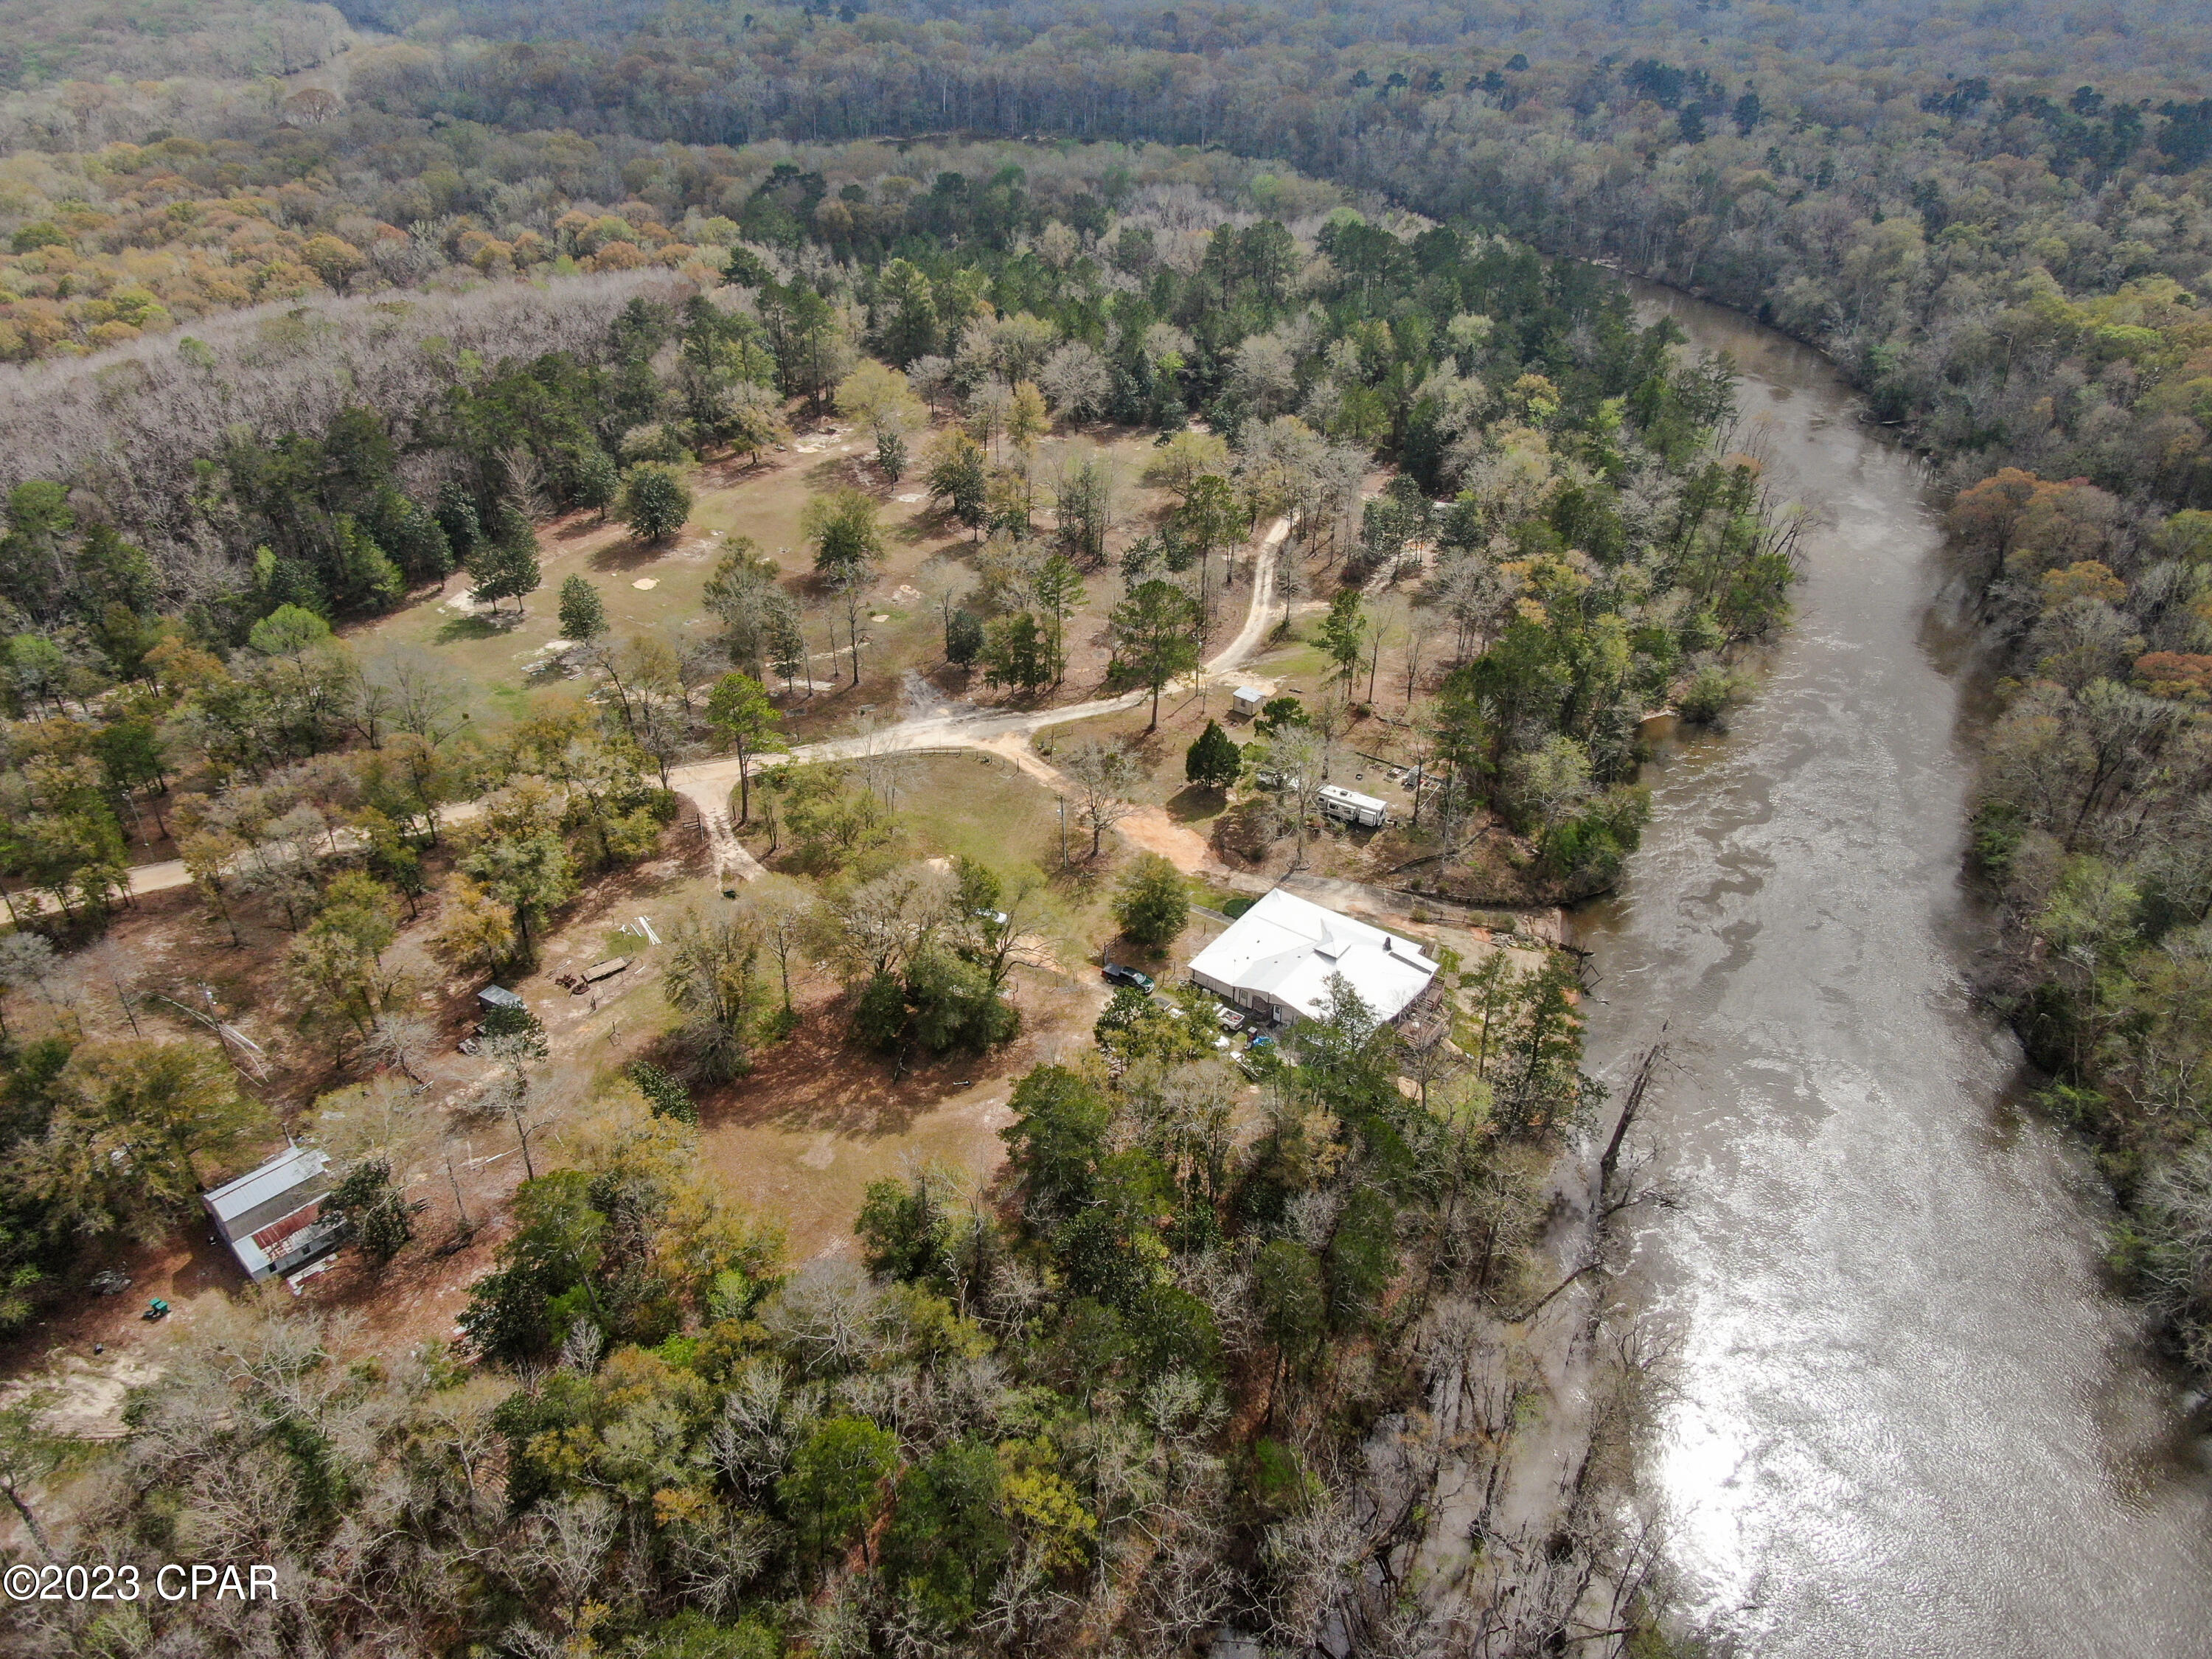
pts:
[1914, 1418]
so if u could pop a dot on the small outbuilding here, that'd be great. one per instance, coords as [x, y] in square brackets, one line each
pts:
[1247, 701]
[272, 1218]
[498, 996]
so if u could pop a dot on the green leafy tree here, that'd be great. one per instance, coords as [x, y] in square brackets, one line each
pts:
[960, 481]
[954, 1003]
[554, 1251]
[1057, 1141]
[1293, 1301]
[594, 480]
[1215, 760]
[880, 399]
[137, 1130]
[337, 963]
[835, 1485]
[879, 1012]
[844, 531]
[375, 1207]
[949, 1542]
[903, 1227]
[583, 615]
[530, 874]
[654, 501]
[1151, 903]
[1016, 653]
[739, 708]
[663, 1093]
[1363, 1254]
[288, 631]
[519, 1028]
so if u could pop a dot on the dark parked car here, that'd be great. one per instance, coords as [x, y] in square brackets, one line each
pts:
[1117, 975]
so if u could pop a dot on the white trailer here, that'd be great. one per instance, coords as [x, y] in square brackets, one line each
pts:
[1349, 806]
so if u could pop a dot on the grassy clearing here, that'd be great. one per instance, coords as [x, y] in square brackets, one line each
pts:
[502, 658]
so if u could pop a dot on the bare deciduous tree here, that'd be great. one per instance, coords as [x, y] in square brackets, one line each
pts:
[1107, 778]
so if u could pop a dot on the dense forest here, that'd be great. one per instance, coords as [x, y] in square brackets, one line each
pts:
[300, 319]
[1000, 1434]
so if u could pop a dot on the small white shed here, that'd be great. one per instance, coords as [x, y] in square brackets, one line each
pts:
[1247, 700]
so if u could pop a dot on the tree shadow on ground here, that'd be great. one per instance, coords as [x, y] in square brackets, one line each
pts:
[628, 553]
[936, 525]
[818, 1078]
[1196, 802]
[475, 625]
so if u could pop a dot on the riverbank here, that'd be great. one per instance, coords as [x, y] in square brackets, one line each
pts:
[1913, 1415]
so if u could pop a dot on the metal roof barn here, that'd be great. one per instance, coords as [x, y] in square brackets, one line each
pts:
[272, 1218]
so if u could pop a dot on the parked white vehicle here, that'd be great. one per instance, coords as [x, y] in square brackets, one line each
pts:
[1349, 806]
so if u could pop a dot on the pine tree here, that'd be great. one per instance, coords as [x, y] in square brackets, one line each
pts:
[963, 638]
[367, 579]
[786, 639]
[506, 566]
[1060, 595]
[1214, 761]
[1156, 636]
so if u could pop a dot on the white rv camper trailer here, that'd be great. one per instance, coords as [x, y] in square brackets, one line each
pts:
[1349, 806]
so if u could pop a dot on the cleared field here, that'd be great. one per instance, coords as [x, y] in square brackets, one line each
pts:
[658, 590]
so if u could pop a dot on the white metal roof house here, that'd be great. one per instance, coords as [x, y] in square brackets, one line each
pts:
[272, 1217]
[1280, 956]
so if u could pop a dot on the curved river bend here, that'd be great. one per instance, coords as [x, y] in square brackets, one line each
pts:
[1915, 1419]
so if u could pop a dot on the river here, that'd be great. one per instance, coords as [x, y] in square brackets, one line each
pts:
[1914, 1417]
